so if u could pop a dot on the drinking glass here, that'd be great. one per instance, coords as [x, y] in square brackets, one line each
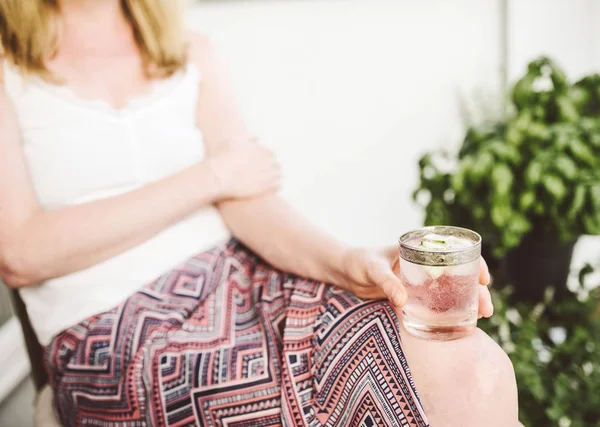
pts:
[439, 267]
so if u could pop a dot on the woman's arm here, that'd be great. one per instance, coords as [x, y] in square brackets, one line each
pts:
[273, 229]
[285, 239]
[36, 245]
[267, 224]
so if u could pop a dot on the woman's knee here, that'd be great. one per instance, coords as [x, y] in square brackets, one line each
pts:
[478, 360]
[465, 381]
[476, 355]
[490, 384]
[492, 364]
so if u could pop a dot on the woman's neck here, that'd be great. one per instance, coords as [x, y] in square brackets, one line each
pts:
[94, 26]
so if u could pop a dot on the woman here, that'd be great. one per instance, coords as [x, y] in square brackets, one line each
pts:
[125, 169]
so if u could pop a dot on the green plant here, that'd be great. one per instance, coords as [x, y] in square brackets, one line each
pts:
[538, 171]
[555, 350]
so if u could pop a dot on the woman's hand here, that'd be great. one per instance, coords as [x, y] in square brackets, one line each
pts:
[245, 170]
[374, 274]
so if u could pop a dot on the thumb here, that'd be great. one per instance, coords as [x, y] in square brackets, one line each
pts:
[382, 276]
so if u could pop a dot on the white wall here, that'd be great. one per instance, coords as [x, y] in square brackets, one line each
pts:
[351, 92]
[567, 30]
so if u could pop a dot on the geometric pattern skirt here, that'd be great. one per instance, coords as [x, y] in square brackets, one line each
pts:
[227, 340]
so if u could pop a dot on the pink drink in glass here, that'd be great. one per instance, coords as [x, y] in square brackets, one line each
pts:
[440, 268]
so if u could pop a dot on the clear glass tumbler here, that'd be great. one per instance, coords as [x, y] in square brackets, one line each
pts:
[439, 267]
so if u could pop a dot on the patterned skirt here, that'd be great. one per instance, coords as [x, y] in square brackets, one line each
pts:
[227, 340]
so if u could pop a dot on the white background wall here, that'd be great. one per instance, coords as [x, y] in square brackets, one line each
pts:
[566, 29]
[351, 92]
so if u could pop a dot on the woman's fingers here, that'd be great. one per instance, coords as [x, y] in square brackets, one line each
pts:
[486, 308]
[484, 272]
[396, 266]
[380, 274]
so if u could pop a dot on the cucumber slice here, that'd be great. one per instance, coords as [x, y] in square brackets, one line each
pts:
[434, 241]
[437, 242]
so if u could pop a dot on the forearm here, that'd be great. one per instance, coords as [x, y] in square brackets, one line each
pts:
[54, 243]
[267, 224]
[285, 239]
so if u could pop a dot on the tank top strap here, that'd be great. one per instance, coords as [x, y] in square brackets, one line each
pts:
[13, 80]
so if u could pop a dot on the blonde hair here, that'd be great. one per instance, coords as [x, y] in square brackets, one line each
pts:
[29, 33]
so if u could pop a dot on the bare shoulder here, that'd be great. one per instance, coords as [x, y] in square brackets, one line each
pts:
[4, 100]
[201, 50]
[8, 118]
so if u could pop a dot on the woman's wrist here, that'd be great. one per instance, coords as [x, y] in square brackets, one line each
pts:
[203, 184]
[216, 181]
[335, 268]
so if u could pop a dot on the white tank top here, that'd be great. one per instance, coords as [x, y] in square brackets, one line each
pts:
[78, 151]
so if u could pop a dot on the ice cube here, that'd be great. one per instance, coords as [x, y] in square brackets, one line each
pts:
[413, 273]
[434, 271]
[464, 269]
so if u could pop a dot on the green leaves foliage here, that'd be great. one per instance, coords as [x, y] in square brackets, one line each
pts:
[554, 347]
[536, 171]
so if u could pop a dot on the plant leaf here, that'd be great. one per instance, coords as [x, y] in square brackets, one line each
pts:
[514, 136]
[523, 91]
[581, 151]
[591, 224]
[578, 201]
[457, 181]
[519, 225]
[526, 200]
[478, 212]
[539, 130]
[502, 178]
[500, 213]
[565, 166]
[563, 133]
[533, 173]
[503, 151]
[481, 166]
[566, 107]
[595, 196]
[554, 186]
